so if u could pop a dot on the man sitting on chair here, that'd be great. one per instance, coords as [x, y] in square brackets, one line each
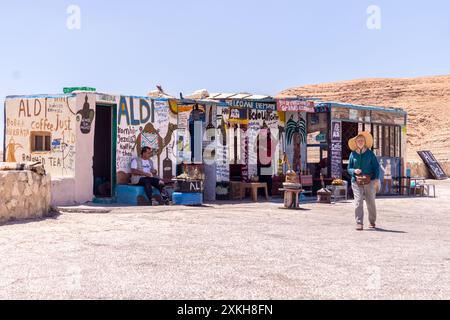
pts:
[144, 174]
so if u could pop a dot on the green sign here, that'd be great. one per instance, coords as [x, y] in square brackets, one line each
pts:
[321, 137]
[72, 89]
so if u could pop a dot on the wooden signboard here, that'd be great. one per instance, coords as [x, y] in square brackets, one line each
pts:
[433, 165]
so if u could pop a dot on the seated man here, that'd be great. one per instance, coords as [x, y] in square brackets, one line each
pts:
[144, 174]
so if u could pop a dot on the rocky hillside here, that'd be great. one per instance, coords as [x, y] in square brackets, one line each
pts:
[427, 101]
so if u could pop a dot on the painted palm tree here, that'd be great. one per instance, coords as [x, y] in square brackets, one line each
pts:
[293, 127]
[296, 134]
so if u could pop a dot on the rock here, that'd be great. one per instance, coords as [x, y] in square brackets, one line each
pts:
[15, 190]
[23, 176]
[11, 204]
[30, 177]
[28, 192]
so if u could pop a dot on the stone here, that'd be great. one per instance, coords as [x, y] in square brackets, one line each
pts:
[36, 188]
[15, 192]
[30, 177]
[27, 192]
[23, 176]
[11, 204]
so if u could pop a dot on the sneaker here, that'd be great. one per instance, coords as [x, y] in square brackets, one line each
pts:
[359, 227]
[142, 201]
[372, 226]
[159, 200]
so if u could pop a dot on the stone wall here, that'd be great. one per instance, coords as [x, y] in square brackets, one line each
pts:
[24, 195]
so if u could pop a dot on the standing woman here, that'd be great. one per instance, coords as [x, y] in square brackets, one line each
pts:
[364, 169]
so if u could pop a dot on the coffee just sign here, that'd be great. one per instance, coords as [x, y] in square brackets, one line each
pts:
[295, 105]
[336, 150]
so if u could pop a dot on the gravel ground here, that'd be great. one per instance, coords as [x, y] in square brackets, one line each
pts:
[231, 251]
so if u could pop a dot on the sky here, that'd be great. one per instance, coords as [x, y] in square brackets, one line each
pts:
[262, 47]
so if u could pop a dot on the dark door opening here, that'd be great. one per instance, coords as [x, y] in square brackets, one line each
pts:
[102, 152]
[349, 130]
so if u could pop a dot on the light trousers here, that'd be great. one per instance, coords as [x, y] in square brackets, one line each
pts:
[368, 193]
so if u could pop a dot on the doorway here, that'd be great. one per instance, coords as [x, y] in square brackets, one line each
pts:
[349, 130]
[103, 152]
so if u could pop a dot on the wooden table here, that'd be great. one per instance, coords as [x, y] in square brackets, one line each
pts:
[291, 198]
[254, 186]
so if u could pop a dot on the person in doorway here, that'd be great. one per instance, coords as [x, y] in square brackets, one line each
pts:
[144, 174]
[364, 169]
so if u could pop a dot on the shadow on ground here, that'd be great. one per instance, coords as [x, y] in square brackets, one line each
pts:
[53, 215]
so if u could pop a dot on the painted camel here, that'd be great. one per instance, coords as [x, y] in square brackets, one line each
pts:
[162, 142]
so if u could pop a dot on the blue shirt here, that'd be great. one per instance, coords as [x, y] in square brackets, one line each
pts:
[367, 162]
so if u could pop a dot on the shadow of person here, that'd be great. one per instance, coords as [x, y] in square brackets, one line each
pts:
[385, 230]
[295, 209]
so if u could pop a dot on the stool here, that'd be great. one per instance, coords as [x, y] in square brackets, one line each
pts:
[291, 200]
[129, 193]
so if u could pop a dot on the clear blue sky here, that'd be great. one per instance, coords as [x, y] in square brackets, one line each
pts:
[235, 45]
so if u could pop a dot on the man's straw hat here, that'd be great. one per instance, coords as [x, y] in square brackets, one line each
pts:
[366, 135]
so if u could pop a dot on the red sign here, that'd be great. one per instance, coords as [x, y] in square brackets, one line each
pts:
[295, 105]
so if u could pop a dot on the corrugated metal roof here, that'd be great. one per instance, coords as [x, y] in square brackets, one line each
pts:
[258, 97]
[221, 95]
[239, 96]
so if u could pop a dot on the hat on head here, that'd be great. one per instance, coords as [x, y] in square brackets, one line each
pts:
[367, 136]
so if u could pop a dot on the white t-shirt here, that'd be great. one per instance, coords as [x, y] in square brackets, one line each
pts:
[147, 165]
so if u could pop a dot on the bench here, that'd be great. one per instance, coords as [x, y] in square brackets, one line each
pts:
[187, 199]
[129, 193]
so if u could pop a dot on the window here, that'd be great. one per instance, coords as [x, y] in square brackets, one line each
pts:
[40, 141]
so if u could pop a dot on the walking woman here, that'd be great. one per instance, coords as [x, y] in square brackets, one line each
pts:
[364, 169]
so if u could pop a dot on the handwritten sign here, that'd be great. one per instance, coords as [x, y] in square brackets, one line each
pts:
[222, 164]
[249, 104]
[433, 165]
[336, 149]
[295, 105]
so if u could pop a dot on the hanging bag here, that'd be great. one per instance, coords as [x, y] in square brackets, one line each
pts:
[362, 179]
